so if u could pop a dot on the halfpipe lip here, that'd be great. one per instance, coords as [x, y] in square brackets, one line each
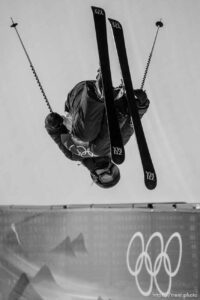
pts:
[144, 207]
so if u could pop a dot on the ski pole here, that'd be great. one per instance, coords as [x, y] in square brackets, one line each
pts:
[14, 25]
[159, 24]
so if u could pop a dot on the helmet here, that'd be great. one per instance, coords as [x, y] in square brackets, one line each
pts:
[106, 177]
[53, 120]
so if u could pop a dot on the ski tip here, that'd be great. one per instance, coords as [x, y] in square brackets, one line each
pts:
[115, 24]
[151, 185]
[118, 160]
[98, 11]
[150, 180]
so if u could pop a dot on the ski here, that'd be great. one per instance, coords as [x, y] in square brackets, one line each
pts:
[116, 143]
[148, 168]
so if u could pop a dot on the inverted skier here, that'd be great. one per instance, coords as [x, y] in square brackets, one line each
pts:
[82, 134]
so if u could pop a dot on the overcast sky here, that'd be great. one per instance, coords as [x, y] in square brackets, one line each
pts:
[60, 39]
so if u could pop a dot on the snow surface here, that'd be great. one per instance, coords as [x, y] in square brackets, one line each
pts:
[60, 39]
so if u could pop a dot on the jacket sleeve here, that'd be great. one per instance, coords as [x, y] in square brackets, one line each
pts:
[56, 136]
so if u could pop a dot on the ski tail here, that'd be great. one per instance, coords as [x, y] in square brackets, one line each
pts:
[116, 143]
[148, 168]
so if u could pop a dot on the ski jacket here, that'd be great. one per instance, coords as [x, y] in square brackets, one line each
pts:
[56, 135]
[89, 122]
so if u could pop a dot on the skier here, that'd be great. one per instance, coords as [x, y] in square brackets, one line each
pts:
[82, 134]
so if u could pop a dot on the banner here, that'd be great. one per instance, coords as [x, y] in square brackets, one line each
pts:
[99, 253]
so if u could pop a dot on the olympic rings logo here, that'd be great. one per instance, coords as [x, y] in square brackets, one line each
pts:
[154, 269]
[81, 151]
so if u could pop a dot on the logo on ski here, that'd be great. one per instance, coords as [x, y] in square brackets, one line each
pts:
[116, 24]
[99, 11]
[150, 175]
[117, 151]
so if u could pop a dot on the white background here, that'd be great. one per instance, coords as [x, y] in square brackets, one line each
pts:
[60, 39]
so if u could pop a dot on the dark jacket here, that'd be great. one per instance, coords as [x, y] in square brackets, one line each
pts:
[89, 121]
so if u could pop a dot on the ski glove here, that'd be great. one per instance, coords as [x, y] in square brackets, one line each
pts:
[141, 98]
[142, 101]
